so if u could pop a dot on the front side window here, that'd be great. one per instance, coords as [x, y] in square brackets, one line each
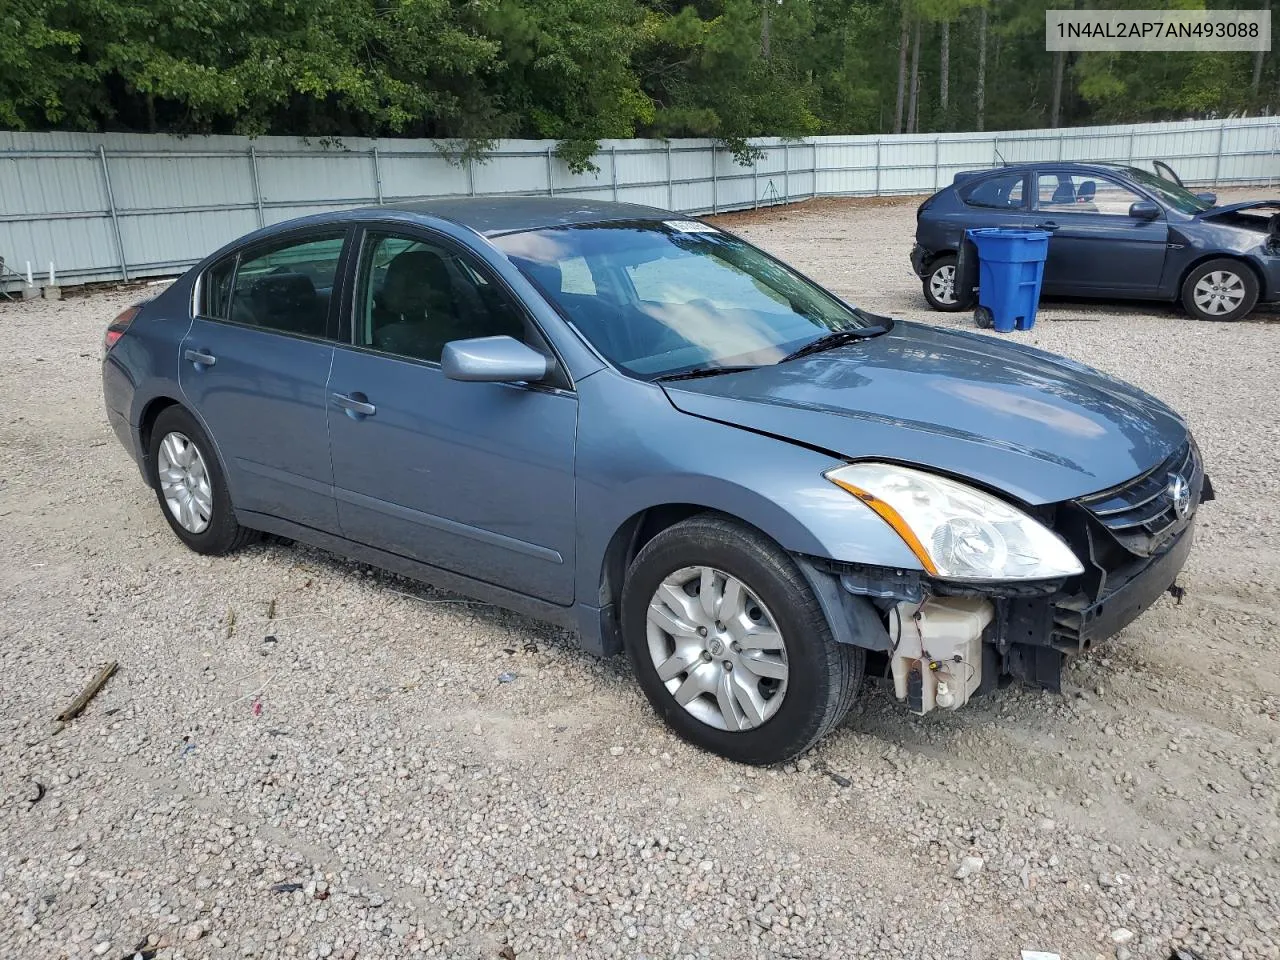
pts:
[415, 296]
[1002, 192]
[674, 296]
[287, 287]
[1061, 192]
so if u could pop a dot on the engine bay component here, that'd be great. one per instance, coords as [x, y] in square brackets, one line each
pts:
[937, 651]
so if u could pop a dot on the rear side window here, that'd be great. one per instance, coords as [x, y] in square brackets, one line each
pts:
[999, 193]
[288, 286]
[215, 289]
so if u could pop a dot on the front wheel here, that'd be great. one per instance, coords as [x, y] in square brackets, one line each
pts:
[730, 645]
[1220, 290]
[939, 284]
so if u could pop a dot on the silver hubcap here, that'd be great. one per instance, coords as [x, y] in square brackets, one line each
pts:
[942, 284]
[717, 649]
[1219, 292]
[184, 483]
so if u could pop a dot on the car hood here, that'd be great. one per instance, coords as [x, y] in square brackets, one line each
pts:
[1236, 208]
[1038, 427]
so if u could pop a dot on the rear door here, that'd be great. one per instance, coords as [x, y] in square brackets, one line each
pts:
[1096, 247]
[254, 367]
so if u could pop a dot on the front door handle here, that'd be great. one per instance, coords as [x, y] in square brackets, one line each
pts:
[200, 358]
[1047, 225]
[357, 405]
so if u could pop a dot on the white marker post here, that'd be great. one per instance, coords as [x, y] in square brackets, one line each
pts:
[52, 291]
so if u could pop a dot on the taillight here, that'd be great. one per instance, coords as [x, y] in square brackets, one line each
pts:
[117, 328]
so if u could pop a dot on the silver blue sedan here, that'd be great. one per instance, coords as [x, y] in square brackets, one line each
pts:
[634, 424]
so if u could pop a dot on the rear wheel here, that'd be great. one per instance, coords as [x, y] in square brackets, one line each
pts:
[939, 284]
[730, 645]
[1220, 290]
[190, 487]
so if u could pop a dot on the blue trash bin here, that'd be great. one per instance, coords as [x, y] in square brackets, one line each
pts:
[1011, 268]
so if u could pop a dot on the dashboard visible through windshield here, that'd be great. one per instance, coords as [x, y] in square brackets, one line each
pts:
[660, 298]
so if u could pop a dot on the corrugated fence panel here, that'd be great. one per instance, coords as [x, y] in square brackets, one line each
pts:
[175, 199]
[50, 185]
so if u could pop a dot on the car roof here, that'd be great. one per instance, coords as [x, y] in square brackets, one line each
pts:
[492, 216]
[488, 216]
[1101, 166]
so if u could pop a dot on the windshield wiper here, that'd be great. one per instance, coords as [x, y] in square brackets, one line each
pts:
[837, 338]
[703, 372]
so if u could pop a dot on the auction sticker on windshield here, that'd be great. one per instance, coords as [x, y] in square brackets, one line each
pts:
[689, 226]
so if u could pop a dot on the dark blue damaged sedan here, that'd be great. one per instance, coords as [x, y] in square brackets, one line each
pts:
[1116, 232]
[639, 426]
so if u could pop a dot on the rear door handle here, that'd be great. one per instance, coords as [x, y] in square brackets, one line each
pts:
[357, 405]
[200, 358]
[1047, 225]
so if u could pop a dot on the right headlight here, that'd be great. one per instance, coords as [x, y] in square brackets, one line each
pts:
[957, 532]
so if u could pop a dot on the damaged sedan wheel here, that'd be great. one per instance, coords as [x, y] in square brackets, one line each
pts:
[731, 646]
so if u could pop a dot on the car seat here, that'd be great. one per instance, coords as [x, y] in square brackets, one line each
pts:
[1084, 197]
[416, 311]
[1064, 193]
[287, 301]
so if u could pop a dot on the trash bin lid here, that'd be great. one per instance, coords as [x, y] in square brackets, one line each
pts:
[1008, 233]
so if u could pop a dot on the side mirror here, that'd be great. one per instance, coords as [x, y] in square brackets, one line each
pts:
[493, 360]
[1209, 198]
[1144, 210]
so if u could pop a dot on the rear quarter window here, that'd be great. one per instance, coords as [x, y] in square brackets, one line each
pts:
[215, 289]
[995, 193]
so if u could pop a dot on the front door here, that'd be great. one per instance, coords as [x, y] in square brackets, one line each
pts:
[254, 366]
[476, 478]
[1096, 248]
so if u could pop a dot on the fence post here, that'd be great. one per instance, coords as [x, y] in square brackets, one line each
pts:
[671, 200]
[937, 160]
[755, 182]
[471, 176]
[715, 191]
[111, 205]
[551, 182]
[613, 169]
[377, 176]
[995, 152]
[815, 164]
[1131, 148]
[786, 172]
[257, 185]
[1062, 139]
[1217, 166]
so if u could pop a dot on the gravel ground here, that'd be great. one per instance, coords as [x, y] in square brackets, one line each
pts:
[303, 757]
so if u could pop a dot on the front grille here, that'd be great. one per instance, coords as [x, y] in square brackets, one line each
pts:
[1140, 513]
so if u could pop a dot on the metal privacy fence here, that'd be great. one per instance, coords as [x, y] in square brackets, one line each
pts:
[127, 206]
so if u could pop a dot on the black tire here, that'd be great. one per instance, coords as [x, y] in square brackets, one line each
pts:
[223, 534]
[958, 302]
[983, 318]
[824, 676]
[1223, 265]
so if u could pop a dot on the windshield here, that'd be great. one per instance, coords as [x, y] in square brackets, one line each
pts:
[1175, 196]
[665, 297]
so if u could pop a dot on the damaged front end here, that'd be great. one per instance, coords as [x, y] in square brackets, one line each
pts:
[947, 641]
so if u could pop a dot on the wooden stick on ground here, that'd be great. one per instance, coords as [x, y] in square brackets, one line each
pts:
[88, 693]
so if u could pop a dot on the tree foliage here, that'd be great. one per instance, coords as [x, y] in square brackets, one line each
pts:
[577, 71]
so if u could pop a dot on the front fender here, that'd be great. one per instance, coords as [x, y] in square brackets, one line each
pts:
[636, 451]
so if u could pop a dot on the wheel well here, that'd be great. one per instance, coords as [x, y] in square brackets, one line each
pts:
[629, 539]
[150, 413]
[1263, 292]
